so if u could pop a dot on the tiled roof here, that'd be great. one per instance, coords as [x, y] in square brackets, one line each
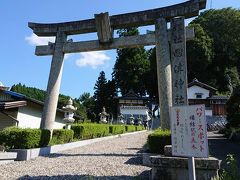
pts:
[219, 97]
[203, 85]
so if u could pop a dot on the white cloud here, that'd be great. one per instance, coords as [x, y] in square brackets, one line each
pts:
[93, 59]
[34, 40]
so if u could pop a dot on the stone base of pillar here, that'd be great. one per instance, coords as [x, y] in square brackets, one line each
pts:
[176, 168]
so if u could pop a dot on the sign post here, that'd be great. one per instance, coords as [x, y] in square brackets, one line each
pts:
[189, 133]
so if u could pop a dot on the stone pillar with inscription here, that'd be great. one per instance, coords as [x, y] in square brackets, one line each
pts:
[179, 73]
[54, 81]
[179, 62]
[163, 72]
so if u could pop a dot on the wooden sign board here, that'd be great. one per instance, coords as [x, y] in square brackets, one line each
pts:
[189, 131]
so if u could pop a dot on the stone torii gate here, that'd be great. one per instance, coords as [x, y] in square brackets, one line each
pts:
[169, 58]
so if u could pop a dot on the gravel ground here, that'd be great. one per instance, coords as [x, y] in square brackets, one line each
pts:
[118, 158]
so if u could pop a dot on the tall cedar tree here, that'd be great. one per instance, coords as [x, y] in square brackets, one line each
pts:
[104, 95]
[151, 76]
[100, 95]
[131, 66]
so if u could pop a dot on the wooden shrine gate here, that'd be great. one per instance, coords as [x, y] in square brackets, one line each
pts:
[171, 60]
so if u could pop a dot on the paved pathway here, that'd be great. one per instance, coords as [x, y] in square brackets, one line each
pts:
[219, 147]
[118, 158]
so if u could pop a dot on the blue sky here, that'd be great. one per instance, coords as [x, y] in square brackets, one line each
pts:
[20, 65]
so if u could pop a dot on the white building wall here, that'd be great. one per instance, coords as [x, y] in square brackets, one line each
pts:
[134, 111]
[30, 117]
[58, 124]
[208, 112]
[196, 89]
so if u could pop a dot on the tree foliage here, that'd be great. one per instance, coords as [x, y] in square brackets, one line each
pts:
[223, 28]
[199, 56]
[88, 102]
[151, 75]
[104, 94]
[233, 108]
[131, 66]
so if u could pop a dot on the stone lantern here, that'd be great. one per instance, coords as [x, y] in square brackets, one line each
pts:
[103, 116]
[121, 119]
[69, 113]
[131, 120]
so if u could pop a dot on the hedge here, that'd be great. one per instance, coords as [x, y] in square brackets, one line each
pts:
[140, 128]
[117, 129]
[16, 138]
[130, 128]
[61, 136]
[158, 139]
[89, 131]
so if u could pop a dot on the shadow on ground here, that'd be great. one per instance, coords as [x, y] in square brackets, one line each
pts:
[220, 147]
[143, 175]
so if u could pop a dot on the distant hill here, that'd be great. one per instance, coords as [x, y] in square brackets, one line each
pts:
[40, 95]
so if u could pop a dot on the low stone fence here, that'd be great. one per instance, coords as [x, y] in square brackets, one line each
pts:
[176, 168]
[7, 157]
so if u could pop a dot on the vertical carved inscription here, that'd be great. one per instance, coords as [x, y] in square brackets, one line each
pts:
[179, 62]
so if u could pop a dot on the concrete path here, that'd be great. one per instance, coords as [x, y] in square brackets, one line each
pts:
[118, 158]
[219, 147]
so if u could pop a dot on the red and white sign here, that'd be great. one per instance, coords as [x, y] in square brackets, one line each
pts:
[189, 131]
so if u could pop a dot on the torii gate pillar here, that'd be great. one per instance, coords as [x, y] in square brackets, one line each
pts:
[163, 71]
[54, 81]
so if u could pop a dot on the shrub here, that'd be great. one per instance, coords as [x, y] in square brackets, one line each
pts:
[88, 131]
[17, 138]
[116, 129]
[130, 128]
[232, 171]
[61, 136]
[233, 110]
[140, 128]
[158, 139]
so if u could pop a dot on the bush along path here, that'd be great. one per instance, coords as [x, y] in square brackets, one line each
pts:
[118, 158]
[18, 138]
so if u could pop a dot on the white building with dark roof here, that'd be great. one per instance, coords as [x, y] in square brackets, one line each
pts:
[134, 105]
[200, 93]
[21, 111]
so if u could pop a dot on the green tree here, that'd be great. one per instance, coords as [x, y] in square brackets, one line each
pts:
[223, 27]
[81, 110]
[233, 108]
[131, 66]
[88, 102]
[151, 75]
[100, 95]
[111, 101]
[199, 56]
[104, 95]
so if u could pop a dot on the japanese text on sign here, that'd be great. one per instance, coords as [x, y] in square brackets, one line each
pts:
[189, 132]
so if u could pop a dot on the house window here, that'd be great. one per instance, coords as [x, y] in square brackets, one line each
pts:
[198, 95]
